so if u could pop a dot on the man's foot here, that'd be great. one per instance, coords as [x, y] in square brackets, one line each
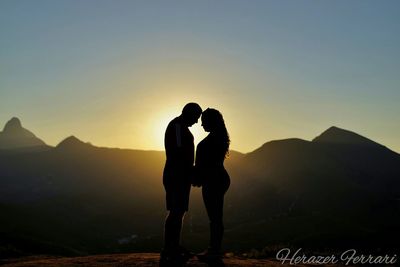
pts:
[211, 257]
[174, 257]
[169, 260]
[184, 253]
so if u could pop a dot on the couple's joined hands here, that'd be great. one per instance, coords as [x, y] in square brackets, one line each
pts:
[196, 180]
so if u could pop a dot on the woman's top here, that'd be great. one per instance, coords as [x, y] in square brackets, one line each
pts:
[210, 156]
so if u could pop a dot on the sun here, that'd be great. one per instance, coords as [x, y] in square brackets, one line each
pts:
[159, 124]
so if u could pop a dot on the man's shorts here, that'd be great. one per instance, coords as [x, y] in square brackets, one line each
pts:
[177, 196]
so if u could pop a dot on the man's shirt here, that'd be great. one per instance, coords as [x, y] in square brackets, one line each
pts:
[179, 149]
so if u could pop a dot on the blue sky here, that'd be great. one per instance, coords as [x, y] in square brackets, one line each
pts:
[114, 72]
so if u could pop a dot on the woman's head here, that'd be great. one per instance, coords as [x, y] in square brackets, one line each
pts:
[213, 122]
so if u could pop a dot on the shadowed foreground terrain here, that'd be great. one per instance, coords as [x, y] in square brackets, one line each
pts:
[137, 259]
[338, 191]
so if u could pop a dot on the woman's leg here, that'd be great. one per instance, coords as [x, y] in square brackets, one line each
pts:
[214, 202]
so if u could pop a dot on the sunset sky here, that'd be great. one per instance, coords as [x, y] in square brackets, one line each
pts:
[115, 72]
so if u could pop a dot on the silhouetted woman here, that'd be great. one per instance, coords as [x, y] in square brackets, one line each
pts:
[212, 176]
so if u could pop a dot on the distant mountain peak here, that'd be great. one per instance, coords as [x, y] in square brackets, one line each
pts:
[341, 136]
[13, 125]
[72, 142]
[15, 136]
[72, 138]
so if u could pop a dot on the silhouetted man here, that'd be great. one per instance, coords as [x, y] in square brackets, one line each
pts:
[177, 178]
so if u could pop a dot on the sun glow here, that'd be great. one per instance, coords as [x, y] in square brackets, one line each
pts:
[168, 95]
[160, 121]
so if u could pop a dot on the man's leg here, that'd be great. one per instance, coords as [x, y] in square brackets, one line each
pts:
[172, 229]
[177, 203]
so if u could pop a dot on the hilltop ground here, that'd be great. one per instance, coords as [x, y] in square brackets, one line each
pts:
[136, 259]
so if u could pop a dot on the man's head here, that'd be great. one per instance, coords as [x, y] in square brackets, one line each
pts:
[191, 113]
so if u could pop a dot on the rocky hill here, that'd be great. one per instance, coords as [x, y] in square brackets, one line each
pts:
[14, 136]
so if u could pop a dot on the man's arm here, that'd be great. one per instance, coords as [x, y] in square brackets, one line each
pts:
[174, 144]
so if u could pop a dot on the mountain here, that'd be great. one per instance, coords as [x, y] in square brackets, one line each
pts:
[72, 143]
[14, 136]
[320, 192]
[335, 135]
[338, 191]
